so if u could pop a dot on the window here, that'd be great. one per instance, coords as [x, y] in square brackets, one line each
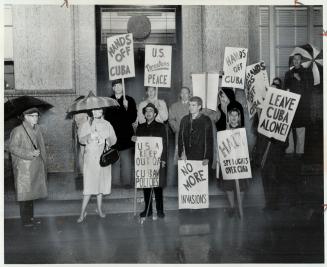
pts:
[282, 29]
[163, 24]
[9, 79]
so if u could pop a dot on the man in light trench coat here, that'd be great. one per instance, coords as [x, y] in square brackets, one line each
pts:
[28, 154]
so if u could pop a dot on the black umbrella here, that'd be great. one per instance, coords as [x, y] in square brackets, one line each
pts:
[15, 107]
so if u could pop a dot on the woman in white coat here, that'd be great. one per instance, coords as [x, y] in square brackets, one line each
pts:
[97, 180]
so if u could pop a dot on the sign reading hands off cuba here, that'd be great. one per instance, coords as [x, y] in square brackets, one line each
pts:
[277, 113]
[120, 56]
[256, 87]
[192, 185]
[234, 67]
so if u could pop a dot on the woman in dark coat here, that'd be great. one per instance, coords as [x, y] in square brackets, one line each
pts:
[229, 109]
[155, 129]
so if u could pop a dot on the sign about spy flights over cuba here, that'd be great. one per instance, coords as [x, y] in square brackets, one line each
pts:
[193, 192]
[148, 152]
[234, 154]
[157, 66]
[120, 56]
[234, 67]
[277, 114]
[256, 86]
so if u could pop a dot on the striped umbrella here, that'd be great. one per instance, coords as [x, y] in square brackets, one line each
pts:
[92, 102]
[311, 58]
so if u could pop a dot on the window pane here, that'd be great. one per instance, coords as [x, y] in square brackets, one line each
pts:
[8, 43]
[285, 36]
[282, 56]
[264, 16]
[317, 16]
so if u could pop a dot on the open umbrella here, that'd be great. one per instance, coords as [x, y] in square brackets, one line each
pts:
[92, 102]
[15, 107]
[311, 58]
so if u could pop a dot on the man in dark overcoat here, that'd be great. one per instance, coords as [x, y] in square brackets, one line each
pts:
[195, 139]
[155, 129]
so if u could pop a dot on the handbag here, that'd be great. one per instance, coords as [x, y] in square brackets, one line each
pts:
[108, 156]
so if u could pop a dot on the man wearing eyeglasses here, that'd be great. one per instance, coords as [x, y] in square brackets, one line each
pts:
[195, 139]
[28, 154]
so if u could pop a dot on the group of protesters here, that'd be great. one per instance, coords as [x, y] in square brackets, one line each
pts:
[195, 129]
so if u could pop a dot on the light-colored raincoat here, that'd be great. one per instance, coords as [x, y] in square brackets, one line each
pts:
[29, 172]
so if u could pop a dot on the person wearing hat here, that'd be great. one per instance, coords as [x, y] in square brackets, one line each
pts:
[156, 129]
[122, 119]
[161, 106]
[28, 154]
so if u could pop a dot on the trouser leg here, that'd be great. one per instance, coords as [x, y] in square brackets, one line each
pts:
[127, 167]
[159, 198]
[26, 211]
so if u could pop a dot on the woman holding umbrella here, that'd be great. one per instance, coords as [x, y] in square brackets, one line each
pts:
[27, 149]
[94, 134]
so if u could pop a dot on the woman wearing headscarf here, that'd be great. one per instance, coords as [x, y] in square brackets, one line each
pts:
[28, 154]
[232, 117]
[94, 133]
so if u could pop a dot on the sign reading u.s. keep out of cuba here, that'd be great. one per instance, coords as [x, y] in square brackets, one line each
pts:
[234, 67]
[277, 113]
[157, 66]
[148, 152]
[192, 185]
[120, 56]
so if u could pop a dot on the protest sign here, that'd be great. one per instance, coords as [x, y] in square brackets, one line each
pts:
[192, 185]
[157, 66]
[207, 93]
[147, 161]
[277, 114]
[256, 86]
[234, 154]
[120, 56]
[234, 67]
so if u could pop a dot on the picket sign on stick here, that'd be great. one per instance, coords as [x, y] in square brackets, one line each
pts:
[120, 56]
[123, 83]
[234, 158]
[234, 67]
[277, 113]
[193, 191]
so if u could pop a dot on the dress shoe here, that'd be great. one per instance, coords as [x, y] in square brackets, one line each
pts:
[35, 221]
[143, 213]
[160, 214]
[101, 214]
[82, 217]
[28, 224]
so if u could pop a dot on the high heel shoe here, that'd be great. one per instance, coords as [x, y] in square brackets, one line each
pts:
[101, 214]
[81, 219]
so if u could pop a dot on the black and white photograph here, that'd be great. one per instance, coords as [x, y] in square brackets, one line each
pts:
[163, 132]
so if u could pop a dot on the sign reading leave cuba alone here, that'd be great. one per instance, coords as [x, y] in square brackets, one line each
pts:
[147, 161]
[234, 67]
[192, 185]
[277, 114]
[157, 66]
[256, 87]
[234, 154]
[120, 56]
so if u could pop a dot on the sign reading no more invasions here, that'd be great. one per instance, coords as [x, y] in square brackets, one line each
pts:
[120, 56]
[157, 66]
[192, 185]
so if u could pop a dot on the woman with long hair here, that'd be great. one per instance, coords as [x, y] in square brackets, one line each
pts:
[94, 134]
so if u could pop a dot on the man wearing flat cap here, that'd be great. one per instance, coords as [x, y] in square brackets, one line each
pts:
[28, 155]
[122, 119]
[155, 129]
